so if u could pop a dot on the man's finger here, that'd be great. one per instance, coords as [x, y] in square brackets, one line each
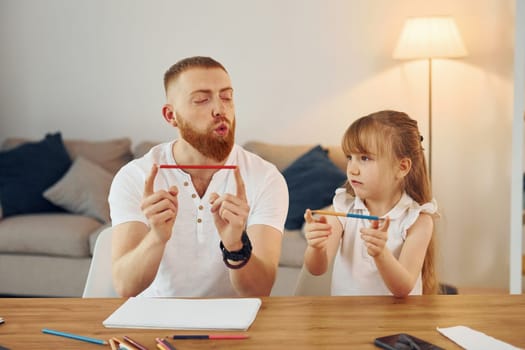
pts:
[212, 200]
[241, 189]
[150, 180]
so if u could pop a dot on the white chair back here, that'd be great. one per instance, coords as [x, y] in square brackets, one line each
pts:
[310, 285]
[99, 283]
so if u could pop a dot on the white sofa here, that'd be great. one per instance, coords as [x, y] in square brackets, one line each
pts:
[49, 254]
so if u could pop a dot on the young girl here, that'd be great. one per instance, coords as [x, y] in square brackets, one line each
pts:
[387, 177]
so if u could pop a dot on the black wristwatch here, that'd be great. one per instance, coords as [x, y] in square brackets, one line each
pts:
[242, 254]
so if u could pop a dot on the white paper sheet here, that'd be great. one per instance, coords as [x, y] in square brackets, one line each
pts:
[471, 339]
[196, 314]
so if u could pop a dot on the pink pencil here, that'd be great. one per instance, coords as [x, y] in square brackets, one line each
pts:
[173, 166]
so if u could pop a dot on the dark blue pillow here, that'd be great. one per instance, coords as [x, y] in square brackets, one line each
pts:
[312, 180]
[28, 170]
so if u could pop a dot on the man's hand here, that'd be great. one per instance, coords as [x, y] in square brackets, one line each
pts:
[230, 213]
[160, 208]
[375, 237]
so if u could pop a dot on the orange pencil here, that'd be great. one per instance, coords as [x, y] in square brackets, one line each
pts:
[113, 344]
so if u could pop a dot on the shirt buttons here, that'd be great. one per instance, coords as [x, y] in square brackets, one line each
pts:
[199, 220]
[193, 195]
[201, 207]
[186, 183]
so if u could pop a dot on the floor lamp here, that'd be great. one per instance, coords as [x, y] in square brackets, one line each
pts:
[429, 38]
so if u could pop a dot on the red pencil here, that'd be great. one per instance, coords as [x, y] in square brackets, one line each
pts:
[174, 166]
[135, 343]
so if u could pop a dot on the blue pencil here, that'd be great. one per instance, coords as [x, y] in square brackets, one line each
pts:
[348, 215]
[74, 336]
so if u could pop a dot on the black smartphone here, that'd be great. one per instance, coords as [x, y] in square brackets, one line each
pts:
[403, 341]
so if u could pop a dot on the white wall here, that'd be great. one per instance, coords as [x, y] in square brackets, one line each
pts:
[302, 71]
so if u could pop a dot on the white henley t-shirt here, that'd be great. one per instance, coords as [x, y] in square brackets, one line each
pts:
[192, 263]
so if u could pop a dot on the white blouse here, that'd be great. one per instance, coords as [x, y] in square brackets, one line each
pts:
[355, 271]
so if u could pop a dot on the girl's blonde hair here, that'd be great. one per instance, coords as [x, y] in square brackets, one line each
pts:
[396, 135]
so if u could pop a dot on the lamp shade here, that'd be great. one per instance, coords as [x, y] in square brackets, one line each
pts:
[429, 37]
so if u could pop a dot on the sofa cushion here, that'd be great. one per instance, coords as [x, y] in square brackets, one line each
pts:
[58, 234]
[27, 170]
[143, 147]
[83, 190]
[109, 154]
[312, 180]
[280, 155]
[284, 155]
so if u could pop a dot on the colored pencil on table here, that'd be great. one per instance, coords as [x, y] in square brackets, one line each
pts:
[164, 344]
[135, 343]
[175, 166]
[160, 344]
[210, 336]
[126, 344]
[75, 336]
[348, 215]
[113, 344]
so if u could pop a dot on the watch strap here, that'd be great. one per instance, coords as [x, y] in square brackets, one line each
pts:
[242, 254]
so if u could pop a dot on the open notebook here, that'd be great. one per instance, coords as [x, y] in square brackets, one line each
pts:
[196, 314]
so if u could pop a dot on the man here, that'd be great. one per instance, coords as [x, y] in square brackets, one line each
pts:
[200, 232]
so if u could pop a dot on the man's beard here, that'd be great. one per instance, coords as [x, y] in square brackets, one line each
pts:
[207, 143]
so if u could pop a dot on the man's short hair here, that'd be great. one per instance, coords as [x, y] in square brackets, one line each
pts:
[190, 62]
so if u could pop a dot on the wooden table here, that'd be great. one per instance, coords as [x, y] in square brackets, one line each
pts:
[282, 322]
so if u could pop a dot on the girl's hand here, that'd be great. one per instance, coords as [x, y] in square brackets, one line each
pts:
[375, 237]
[316, 231]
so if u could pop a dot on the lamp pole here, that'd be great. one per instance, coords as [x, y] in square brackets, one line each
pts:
[430, 118]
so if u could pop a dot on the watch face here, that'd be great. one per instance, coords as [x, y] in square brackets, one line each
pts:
[236, 256]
